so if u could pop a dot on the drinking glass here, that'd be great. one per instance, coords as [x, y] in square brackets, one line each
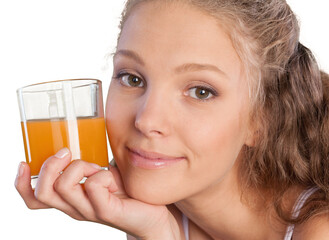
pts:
[65, 113]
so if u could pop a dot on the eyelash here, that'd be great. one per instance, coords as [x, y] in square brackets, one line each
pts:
[212, 91]
[123, 74]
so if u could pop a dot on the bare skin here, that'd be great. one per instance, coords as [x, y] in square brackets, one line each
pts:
[178, 92]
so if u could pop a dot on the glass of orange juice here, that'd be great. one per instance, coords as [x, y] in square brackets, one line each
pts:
[58, 114]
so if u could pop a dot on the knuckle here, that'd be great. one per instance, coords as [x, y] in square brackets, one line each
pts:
[32, 206]
[109, 174]
[77, 163]
[48, 165]
[41, 195]
[61, 186]
[106, 175]
[91, 184]
[89, 216]
[78, 218]
[102, 216]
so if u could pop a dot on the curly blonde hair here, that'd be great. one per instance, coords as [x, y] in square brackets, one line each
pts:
[289, 97]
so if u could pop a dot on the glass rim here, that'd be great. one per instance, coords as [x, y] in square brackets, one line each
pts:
[26, 88]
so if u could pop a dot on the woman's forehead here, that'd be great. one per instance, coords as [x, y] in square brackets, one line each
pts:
[178, 35]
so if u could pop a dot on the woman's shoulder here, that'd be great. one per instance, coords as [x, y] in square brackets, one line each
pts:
[315, 228]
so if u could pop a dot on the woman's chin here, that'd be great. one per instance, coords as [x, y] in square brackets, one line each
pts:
[150, 193]
[149, 196]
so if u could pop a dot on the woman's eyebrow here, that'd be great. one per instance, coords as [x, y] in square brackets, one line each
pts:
[186, 67]
[130, 54]
[193, 67]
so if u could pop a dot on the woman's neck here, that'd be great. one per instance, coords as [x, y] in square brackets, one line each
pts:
[220, 212]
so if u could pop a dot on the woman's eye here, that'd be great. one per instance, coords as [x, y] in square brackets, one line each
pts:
[201, 93]
[131, 80]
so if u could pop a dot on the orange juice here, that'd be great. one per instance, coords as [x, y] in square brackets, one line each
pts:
[46, 137]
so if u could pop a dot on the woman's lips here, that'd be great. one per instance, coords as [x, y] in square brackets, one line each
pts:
[151, 160]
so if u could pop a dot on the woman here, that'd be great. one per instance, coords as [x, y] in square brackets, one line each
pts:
[218, 121]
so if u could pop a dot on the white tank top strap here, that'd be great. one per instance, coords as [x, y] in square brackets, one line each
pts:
[296, 210]
[185, 226]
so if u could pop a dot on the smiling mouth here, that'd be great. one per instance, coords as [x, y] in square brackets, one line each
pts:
[151, 160]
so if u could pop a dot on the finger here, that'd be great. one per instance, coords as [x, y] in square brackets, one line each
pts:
[100, 189]
[69, 188]
[119, 210]
[115, 209]
[118, 181]
[24, 188]
[44, 190]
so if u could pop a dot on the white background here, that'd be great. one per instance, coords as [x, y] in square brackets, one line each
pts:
[42, 40]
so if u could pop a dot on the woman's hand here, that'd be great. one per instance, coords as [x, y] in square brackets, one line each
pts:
[101, 199]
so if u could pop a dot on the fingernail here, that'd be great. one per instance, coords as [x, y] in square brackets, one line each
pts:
[20, 169]
[62, 153]
[95, 166]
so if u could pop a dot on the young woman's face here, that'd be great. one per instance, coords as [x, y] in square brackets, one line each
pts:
[177, 107]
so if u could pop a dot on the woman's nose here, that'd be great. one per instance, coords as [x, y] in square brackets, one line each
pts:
[153, 115]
